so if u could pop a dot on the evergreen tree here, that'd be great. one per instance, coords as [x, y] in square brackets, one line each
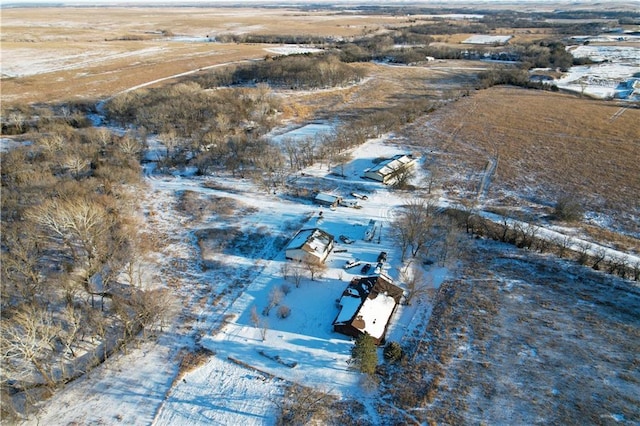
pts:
[364, 354]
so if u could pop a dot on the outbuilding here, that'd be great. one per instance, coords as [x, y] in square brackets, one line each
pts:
[329, 200]
[387, 170]
[310, 245]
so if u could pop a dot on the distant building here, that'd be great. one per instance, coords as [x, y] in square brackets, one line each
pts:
[330, 200]
[387, 170]
[310, 245]
[367, 305]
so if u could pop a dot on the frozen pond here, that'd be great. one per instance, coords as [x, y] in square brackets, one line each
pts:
[308, 131]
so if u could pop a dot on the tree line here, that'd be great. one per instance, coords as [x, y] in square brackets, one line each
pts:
[71, 256]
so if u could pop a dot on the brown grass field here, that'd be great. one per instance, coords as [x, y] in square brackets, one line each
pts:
[546, 145]
[520, 340]
[79, 53]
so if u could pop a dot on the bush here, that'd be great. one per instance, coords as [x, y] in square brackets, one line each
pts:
[364, 355]
[392, 352]
[284, 312]
[286, 289]
[568, 209]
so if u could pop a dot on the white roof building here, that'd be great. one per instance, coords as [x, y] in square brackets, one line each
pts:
[310, 245]
[387, 169]
[328, 199]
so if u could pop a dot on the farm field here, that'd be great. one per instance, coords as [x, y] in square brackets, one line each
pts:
[74, 54]
[494, 333]
[546, 145]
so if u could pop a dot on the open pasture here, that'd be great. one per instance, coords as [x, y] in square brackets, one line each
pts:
[58, 54]
[546, 146]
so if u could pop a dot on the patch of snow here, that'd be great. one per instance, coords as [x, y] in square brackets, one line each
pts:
[292, 49]
[487, 39]
[301, 133]
[7, 144]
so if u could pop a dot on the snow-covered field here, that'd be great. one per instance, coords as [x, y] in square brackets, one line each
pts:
[611, 78]
[487, 39]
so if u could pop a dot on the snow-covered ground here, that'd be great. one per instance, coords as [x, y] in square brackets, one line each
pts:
[7, 144]
[611, 78]
[292, 49]
[141, 387]
[487, 39]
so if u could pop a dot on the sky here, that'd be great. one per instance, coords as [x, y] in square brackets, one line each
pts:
[10, 3]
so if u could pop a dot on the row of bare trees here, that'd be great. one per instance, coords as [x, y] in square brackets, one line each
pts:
[528, 236]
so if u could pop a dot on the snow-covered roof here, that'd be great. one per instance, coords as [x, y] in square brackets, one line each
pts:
[313, 240]
[391, 165]
[367, 305]
[349, 306]
[375, 314]
[327, 198]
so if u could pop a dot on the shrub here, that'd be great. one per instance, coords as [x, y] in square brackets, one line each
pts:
[286, 289]
[283, 312]
[568, 209]
[392, 352]
[364, 355]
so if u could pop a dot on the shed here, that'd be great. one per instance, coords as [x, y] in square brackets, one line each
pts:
[330, 200]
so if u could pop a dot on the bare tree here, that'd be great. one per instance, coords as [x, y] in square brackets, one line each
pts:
[285, 270]
[77, 163]
[255, 318]
[51, 143]
[401, 177]
[90, 231]
[411, 228]
[316, 270]
[264, 327]
[339, 160]
[153, 308]
[450, 242]
[130, 146]
[433, 175]
[469, 210]
[17, 119]
[600, 254]
[296, 275]
[301, 405]
[21, 273]
[275, 297]
[416, 282]
[28, 343]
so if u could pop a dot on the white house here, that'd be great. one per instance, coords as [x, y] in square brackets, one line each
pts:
[310, 245]
[386, 170]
